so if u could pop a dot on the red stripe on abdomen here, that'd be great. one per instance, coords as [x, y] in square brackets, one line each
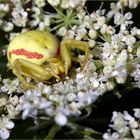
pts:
[28, 54]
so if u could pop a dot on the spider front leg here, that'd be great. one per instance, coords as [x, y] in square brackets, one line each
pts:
[23, 67]
[65, 52]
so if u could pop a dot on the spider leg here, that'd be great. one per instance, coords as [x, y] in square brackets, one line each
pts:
[65, 52]
[77, 60]
[22, 67]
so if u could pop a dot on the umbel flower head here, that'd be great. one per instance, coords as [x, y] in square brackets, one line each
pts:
[114, 60]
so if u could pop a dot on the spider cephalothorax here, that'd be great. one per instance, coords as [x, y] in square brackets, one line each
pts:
[40, 56]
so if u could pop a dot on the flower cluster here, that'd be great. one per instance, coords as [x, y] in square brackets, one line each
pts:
[67, 4]
[73, 95]
[124, 126]
[114, 58]
[130, 3]
[8, 105]
[5, 126]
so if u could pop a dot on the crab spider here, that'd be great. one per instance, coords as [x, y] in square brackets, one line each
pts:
[40, 56]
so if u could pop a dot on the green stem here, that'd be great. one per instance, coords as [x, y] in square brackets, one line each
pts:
[102, 38]
[52, 132]
[56, 27]
[88, 110]
[59, 12]
[58, 21]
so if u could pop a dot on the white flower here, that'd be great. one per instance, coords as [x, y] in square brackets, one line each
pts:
[136, 74]
[29, 104]
[107, 73]
[138, 32]
[92, 95]
[103, 29]
[50, 111]
[123, 125]
[47, 20]
[54, 2]
[110, 85]
[12, 35]
[11, 86]
[3, 101]
[136, 133]
[133, 123]
[40, 3]
[86, 20]
[118, 121]
[12, 111]
[80, 75]
[71, 97]
[62, 31]
[115, 135]
[120, 75]
[14, 100]
[36, 11]
[122, 59]
[8, 26]
[130, 40]
[91, 43]
[109, 52]
[92, 34]
[5, 125]
[123, 20]
[127, 116]
[102, 88]
[94, 82]
[47, 90]
[101, 21]
[133, 3]
[17, 2]
[36, 17]
[120, 71]
[60, 119]
[19, 17]
[41, 26]
[114, 9]
[83, 98]
[74, 109]
[34, 22]
[28, 111]
[80, 32]
[4, 8]
[65, 4]
[110, 30]
[55, 98]
[137, 113]
[134, 31]
[4, 133]
[106, 136]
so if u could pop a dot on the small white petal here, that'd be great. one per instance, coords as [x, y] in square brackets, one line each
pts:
[95, 83]
[128, 15]
[136, 133]
[60, 119]
[10, 125]
[25, 114]
[47, 90]
[137, 113]
[4, 133]
[80, 75]
[106, 136]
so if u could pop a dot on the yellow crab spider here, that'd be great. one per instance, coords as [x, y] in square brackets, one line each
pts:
[40, 56]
